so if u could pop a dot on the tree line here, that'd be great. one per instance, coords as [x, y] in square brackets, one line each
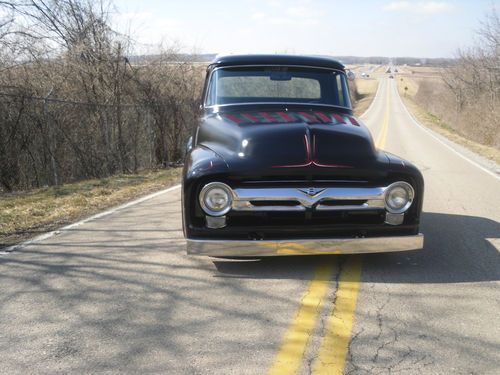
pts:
[73, 106]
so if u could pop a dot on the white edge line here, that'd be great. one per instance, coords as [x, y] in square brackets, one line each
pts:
[93, 217]
[433, 135]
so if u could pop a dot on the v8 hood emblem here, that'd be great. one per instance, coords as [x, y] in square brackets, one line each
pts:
[312, 191]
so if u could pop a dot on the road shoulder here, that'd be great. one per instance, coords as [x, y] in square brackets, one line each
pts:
[29, 215]
[487, 158]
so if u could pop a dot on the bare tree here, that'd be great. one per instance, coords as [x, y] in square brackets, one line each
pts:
[73, 106]
[475, 83]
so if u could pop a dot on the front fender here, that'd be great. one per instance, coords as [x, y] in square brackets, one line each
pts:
[202, 161]
[407, 171]
[201, 164]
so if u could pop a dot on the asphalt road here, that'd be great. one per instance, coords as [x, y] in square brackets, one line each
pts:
[118, 294]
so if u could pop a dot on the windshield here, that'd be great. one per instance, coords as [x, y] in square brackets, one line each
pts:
[277, 85]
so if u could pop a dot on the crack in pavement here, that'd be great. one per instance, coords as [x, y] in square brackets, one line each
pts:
[319, 332]
[388, 337]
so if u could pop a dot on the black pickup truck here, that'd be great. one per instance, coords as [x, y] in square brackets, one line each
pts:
[278, 165]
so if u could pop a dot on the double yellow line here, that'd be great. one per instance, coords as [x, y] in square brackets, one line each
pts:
[382, 135]
[291, 353]
[332, 352]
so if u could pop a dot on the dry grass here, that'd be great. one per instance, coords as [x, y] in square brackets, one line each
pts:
[380, 69]
[408, 82]
[26, 214]
[421, 71]
[411, 82]
[367, 88]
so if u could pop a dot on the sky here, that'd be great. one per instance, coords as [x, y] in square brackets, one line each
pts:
[339, 28]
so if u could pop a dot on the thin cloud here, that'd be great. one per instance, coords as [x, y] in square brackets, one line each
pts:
[422, 7]
[148, 28]
[299, 13]
[135, 16]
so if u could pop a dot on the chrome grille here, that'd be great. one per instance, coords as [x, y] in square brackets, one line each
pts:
[302, 199]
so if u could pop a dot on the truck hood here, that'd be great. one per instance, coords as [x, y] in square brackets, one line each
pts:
[288, 142]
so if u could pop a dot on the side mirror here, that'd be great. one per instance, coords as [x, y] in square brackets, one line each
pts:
[189, 144]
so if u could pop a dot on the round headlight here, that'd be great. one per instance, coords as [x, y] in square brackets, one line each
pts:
[399, 197]
[216, 198]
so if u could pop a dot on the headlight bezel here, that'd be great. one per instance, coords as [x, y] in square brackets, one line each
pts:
[211, 186]
[410, 195]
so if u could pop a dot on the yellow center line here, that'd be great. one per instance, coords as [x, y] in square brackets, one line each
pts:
[335, 342]
[289, 358]
[333, 348]
[382, 135]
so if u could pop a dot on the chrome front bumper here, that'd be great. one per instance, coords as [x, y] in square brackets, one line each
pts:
[250, 248]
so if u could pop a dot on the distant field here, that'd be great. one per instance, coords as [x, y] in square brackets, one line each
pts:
[380, 69]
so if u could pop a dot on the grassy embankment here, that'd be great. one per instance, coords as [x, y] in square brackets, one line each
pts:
[411, 80]
[366, 89]
[26, 214]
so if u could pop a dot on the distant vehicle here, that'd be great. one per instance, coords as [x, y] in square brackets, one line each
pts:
[367, 75]
[278, 165]
[363, 74]
[395, 70]
[391, 76]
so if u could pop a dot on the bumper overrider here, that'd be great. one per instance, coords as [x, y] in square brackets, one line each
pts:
[217, 199]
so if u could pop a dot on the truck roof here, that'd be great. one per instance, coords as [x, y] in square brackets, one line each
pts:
[298, 60]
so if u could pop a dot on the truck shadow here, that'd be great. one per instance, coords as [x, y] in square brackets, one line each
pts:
[458, 248]
[148, 304]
